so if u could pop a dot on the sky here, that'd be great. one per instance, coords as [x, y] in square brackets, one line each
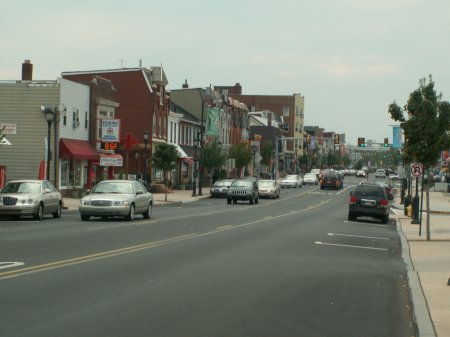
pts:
[349, 58]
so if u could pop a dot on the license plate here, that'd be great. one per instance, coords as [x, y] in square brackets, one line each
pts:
[365, 202]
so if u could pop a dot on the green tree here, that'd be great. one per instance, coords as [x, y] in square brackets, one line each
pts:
[242, 156]
[267, 153]
[425, 120]
[213, 158]
[165, 158]
[1, 134]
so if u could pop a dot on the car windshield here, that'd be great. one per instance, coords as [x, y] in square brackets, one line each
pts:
[22, 187]
[222, 183]
[291, 178]
[266, 183]
[310, 175]
[242, 183]
[120, 188]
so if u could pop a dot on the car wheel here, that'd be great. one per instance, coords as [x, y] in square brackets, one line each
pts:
[351, 216]
[257, 200]
[39, 215]
[57, 213]
[385, 219]
[85, 217]
[234, 201]
[148, 213]
[130, 216]
[252, 201]
[229, 201]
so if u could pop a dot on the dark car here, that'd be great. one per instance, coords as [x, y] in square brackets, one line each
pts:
[243, 189]
[372, 200]
[220, 188]
[331, 180]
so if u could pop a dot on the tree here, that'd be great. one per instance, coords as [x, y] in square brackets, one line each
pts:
[425, 120]
[1, 134]
[266, 153]
[165, 158]
[242, 156]
[213, 158]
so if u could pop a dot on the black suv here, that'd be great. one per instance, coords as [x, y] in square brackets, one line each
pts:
[370, 200]
[243, 189]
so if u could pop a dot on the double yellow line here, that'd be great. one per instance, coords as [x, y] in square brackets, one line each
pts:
[148, 245]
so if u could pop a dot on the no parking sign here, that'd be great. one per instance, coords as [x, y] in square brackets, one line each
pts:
[416, 169]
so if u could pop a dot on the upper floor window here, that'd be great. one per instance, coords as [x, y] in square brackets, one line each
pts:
[85, 119]
[285, 111]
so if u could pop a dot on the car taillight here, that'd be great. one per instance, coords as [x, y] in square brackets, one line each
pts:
[353, 200]
[384, 202]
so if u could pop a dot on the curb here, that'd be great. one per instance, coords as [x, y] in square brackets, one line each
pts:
[423, 325]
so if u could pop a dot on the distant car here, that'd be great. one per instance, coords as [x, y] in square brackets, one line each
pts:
[293, 180]
[361, 174]
[316, 172]
[380, 173]
[370, 200]
[268, 189]
[243, 189]
[220, 188]
[310, 179]
[393, 176]
[331, 180]
[30, 198]
[110, 198]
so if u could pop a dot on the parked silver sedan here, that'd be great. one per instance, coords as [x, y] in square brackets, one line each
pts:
[124, 198]
[30, 198]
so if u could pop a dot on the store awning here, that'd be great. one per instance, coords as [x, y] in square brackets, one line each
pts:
[77, 149]
[110, 159]
[180, 151]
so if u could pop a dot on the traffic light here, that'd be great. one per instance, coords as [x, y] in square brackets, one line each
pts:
[386, 142]
[361, 142]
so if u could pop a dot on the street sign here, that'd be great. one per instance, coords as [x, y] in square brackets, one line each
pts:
[416, 169]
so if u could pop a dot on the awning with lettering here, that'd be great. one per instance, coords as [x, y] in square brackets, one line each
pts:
[77, 149]
[110, 159]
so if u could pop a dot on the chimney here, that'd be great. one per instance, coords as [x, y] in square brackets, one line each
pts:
[185, 85]
[269, 119]
[27, 71]
[238, 89]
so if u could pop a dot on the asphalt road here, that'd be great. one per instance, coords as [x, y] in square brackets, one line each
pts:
[288, 267]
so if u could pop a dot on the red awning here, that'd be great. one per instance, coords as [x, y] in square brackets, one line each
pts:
[77, 149]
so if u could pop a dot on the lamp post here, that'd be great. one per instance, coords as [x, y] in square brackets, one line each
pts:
[194, 173]
[136, 155]
[49, 115]
[200, 143]
[146, 134]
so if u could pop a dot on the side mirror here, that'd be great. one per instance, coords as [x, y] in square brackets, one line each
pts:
[140, 192]
[351, 193]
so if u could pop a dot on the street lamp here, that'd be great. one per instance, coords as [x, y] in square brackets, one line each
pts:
[194, 174]
[136, 155]
[146, 134]
[200, 143]
[49, 115]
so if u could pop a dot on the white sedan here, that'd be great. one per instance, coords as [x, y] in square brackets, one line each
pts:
[293, 180]
[310, 178]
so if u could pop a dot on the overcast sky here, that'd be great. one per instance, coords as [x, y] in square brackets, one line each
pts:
[349, 58]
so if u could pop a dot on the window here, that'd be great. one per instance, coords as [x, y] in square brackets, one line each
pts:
[65, 119]
[85, 119]
[161, 95]
[285, 111]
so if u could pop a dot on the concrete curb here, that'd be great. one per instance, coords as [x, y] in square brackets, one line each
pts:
[423, 325]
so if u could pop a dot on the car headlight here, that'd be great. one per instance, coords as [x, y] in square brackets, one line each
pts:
[27, 201]
[85, 202]
[121, 203]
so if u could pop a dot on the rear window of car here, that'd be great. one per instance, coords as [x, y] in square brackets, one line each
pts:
[330, 175]
[364, 190]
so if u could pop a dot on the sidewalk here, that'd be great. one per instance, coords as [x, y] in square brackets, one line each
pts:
[428, 263]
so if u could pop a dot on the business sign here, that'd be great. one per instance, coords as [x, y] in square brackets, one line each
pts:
[111, 160]
[109, 146]
[110, 130]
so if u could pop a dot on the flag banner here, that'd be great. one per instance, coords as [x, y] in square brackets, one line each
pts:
[397, 137]
[212, 122]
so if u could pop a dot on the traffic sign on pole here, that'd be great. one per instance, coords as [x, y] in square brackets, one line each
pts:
[416, 169]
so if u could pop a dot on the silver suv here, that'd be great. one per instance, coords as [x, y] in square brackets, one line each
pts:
[243, 189]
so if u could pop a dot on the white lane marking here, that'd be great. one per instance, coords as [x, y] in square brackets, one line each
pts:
[359, 236]
[226, 226]
[4, 265]
[349, 246]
